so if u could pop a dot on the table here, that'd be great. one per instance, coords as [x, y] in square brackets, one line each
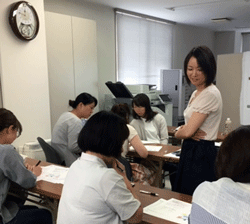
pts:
[160, 158]
[171, 132]
[50, 193]
[149, 199]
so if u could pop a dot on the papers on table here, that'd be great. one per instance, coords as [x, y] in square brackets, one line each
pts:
[150, 148]
[175, 154]
[54, 174]
[173, 210]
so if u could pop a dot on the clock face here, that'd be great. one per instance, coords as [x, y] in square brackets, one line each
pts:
[24, 20]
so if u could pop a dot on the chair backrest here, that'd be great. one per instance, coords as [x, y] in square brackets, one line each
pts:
[50, 153]
[127, 166]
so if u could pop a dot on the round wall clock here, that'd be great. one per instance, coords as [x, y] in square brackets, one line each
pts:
[24, 20]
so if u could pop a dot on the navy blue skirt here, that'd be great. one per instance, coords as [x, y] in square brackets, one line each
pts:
[197, 164]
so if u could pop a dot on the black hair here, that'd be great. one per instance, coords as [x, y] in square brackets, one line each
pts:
[7, 118]
[104, 133]
[122, 110]
[233, 159]
[206, 62]
[142, 100]
[84, 98]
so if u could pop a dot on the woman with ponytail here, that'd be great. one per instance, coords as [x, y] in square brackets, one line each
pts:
[69, 125]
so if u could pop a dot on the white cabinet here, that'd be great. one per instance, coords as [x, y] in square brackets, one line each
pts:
[72, 60]
[172, 84]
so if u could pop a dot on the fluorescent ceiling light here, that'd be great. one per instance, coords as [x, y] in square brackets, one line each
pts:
[221, 20]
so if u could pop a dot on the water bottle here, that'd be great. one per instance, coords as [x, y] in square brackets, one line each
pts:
[228, 126]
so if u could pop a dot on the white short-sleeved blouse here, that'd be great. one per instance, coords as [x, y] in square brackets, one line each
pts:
[209, 102]
[132, 134]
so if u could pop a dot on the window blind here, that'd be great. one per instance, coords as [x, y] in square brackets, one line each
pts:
[143, 47]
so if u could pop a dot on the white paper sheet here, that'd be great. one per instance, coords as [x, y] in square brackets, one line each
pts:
[173, 154]
[150, 148]
[173, 210]
[53, 174]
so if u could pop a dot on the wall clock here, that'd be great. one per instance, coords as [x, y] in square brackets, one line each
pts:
[24, 20]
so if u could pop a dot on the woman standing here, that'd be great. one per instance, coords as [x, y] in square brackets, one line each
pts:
[150, 125]
[202, 119]
[69, 125]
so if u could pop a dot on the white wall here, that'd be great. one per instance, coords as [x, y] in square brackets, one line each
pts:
[24, 76]
[104, 17]
[187, 37]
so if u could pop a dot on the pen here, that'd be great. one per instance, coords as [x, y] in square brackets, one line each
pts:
[148, 192]
[38, 163]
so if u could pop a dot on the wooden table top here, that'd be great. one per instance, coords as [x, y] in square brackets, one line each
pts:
[54, 191]
[45, 188]
[160, 155]
[220, 136]
[149, 199]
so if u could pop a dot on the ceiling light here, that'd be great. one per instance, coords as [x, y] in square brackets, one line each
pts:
[221, 20]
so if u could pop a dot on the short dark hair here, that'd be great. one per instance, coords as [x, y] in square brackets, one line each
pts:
[122, 110]
[205, 60]
[142, 100]
[7, 118]
[84, 98]
[233, 159]
[104, 133]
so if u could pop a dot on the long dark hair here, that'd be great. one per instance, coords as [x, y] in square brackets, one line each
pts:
[233, 159]
[7, 118]
[84, 98]
[142, 100]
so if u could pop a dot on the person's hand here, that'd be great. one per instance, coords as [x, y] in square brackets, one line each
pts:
[198, 135]
[119, 168]
[37, 170]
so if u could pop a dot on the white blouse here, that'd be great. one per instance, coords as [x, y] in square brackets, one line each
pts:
[132, 134]
[209, 102]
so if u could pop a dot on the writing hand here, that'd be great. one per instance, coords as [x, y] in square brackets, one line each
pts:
[37, 170]
[198, 135]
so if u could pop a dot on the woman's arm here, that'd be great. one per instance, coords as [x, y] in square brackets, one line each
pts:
[188, 130]
[137, 216]
[139, 147]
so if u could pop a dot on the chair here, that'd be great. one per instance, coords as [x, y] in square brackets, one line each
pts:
[50, 153]
[127, 166]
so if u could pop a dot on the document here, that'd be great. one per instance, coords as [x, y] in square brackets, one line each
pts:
[175, 154]
[173, 210]
[54, 174]
[150, 148]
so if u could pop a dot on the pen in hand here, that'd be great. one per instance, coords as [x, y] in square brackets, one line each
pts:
[38, 163]
[148, 192]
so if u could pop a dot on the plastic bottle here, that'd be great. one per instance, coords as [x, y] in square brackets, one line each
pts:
[228, 126]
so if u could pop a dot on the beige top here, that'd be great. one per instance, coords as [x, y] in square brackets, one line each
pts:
[209, 102]
[132, 134]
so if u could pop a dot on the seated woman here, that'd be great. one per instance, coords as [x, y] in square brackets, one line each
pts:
[92, 192]
[140, 173]
[69, 125]
[133, 139]
[13, 171]
[227, 199]
[150, 126]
